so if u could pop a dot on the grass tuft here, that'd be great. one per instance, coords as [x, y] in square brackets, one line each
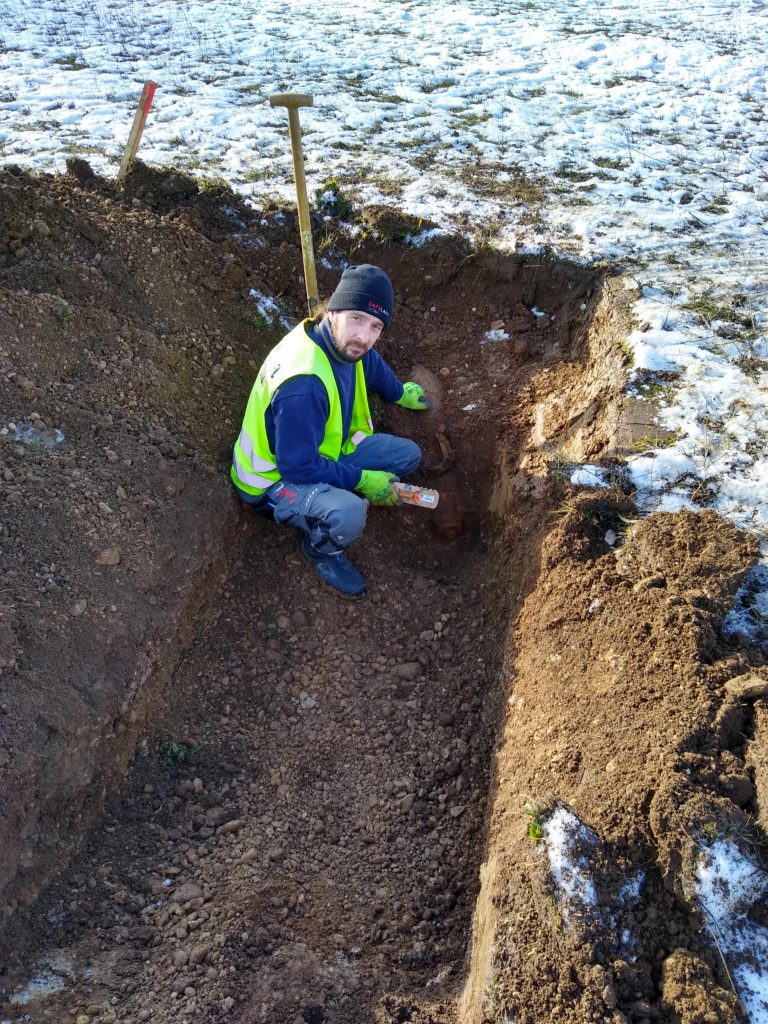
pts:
[533, 811]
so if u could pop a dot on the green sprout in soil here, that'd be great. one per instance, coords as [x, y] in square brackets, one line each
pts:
[711, 832]
[535, 825]
[492, 1003]
[63, 312]
[656, 390]
[469, 119]
[328, 242]
[713, 835]
[718, 206]
[174, 754]
[557, 919]
[564, 510]
[650, 441]
[216, 181]
[72, 62]
[626, 351]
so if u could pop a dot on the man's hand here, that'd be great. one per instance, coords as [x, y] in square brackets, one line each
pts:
[413, 397]
[375, 485]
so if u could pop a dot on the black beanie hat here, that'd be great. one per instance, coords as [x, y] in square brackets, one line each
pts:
[366, 289]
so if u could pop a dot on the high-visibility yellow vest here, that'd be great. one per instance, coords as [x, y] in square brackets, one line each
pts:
[254, 468]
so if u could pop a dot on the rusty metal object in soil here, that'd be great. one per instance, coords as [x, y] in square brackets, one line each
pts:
[448, 454]
[448, 517]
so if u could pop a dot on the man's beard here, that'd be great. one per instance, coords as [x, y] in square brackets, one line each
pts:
[335, 342]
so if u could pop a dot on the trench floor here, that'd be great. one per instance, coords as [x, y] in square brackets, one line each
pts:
[302, 840]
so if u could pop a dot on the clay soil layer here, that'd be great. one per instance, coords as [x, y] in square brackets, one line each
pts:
[225, 794]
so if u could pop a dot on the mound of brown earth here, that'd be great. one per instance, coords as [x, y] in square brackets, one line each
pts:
[226, 795]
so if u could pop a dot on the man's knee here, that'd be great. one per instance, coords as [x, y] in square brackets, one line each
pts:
[408, 456]
[348, 520]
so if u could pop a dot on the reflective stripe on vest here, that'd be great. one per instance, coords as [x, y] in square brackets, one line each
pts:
[261, 483]
[247, 444]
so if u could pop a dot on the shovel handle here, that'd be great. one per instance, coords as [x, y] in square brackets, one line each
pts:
[290, 100]
[294, 100]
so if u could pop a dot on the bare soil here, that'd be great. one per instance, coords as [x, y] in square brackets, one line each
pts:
[225, 795]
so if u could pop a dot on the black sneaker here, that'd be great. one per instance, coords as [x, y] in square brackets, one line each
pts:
[336, 571]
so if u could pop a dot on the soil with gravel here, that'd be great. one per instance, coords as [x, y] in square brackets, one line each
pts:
[225, 794]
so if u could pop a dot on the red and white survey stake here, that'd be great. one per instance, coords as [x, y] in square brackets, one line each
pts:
[139, 120]
[410, 494]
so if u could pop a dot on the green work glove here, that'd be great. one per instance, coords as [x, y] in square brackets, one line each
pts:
[375, 485]
[413, 397]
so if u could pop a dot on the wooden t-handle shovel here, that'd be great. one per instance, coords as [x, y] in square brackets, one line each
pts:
[293, 101]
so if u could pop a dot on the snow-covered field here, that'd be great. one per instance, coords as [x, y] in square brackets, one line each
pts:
[629, 131]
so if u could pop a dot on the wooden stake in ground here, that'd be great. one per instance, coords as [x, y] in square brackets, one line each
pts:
[137, 128]
[293, 101]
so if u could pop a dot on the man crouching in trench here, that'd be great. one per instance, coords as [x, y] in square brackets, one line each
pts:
[307, 454]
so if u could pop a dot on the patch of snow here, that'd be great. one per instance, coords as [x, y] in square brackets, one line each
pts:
[499, 334]
[53, 971]
[43, 984]
[421, 239]
[747, 620]
[565, 838]
[589, 476]
[728, 885]
[269, 310]
[37, 435]
[630, 891]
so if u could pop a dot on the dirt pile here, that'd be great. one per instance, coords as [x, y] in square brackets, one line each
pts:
[113, 513]
[313, 786]
[618, 711]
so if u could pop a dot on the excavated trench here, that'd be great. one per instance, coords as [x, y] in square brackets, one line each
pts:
[318, 784]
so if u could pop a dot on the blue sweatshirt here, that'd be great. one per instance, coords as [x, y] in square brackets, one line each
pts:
[298, 412]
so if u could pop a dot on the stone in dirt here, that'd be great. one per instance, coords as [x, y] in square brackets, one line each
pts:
[200, 953]
[409, 670]
[109, 556]
[747, 687]
[186, 891]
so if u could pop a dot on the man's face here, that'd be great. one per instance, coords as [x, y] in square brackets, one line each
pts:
[354, 333]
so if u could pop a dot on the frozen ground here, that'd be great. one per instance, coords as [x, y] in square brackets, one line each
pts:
[629, 131]
[730, 888]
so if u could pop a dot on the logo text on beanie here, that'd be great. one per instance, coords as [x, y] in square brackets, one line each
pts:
[376, 310]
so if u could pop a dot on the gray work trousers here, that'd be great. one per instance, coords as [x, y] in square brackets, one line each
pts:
[333, 517]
